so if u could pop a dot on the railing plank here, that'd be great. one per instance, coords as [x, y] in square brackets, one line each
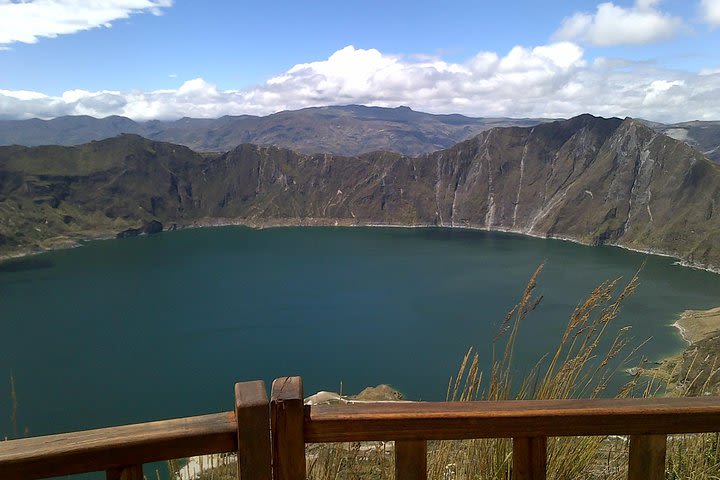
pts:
[121, 451]
[108, 448]
[411, 460]
[133, 472]
[512, 418]
[252, 412]
[647, 457]
[529, 458]
[287, 419]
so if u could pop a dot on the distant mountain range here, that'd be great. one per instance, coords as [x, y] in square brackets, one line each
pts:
[589, 179]
[705, 136]
[342, 130]
[339, 130]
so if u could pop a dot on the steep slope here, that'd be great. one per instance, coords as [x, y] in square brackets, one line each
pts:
[341, 130]
[52, 196]
[594, 180]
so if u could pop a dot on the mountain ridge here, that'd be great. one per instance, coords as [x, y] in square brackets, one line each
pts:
[588, 179]
[341, 130]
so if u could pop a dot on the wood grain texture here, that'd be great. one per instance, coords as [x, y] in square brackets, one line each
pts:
[115, 447]
[513, 418]
[529, 458]
[134, 472]
[252, 412]
[411, 460]
[286, 420]
[647, 457]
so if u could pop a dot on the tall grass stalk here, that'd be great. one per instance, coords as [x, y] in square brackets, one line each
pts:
[14, 403]
[581, 366]
[584, 364]
[694, 457]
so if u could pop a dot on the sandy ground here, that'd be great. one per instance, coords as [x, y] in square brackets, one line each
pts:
[694, 371]
[694, 325]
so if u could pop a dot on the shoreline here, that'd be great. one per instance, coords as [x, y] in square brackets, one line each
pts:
[688, 332]
[681, 331]
[697, 325]
[343, 223]
[693, 370]
[352, 223]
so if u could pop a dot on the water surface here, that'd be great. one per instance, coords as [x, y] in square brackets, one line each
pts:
[162, 326]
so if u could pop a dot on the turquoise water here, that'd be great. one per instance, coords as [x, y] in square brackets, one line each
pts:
[162, 326]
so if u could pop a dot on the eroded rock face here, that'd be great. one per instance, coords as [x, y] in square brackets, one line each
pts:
[149, 228]
[590, 179]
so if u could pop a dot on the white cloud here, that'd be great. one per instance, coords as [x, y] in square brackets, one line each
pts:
[711, 11]
[659, 92]
[613, 25]
[30, 20]
[551, 80]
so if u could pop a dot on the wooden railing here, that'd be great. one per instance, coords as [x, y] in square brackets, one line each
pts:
[269, 436]
[121, 451]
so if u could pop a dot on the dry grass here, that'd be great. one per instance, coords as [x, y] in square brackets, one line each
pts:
[582, 365]
[694, 456]
[367, 460]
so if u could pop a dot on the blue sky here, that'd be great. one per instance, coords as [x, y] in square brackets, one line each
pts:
[163, 59]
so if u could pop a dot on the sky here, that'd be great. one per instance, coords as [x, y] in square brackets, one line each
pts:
[167, 59]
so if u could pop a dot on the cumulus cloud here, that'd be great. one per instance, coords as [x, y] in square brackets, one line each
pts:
[711, 11]
[552, 80]
[612, 25]
[30, 20]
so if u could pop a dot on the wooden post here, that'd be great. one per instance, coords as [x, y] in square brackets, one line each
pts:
[529, 458]
[647, 457]
[286, 421]
[252, 414]
[411, 460]
[132, 472]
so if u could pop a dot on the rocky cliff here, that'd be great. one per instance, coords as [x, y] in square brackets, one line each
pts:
[594, 180]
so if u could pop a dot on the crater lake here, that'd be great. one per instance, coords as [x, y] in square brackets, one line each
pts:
[162, 326]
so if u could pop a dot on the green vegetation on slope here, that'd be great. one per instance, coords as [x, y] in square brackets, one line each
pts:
[598, 181]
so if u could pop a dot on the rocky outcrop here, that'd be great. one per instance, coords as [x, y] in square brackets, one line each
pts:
[594, 180]
[379, 393]
[149, 228]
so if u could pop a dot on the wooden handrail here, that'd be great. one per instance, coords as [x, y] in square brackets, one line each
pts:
[511, 418]
[287, 425]
[115, 447]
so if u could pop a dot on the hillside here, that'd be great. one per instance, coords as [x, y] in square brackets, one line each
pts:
[594, 180]
[340, 130]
